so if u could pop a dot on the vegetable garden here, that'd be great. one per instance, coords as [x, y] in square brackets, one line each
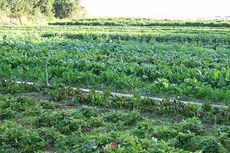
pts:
[171, 60]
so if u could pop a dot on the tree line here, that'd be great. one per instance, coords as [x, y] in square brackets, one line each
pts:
[50, 8]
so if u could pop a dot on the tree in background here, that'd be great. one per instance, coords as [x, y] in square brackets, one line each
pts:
[63, 8]
[50, 8]
[45, 7]
[17, 8]
[3, 5]
[68, 8]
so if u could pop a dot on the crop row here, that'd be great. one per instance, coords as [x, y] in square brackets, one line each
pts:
[206, 41]
[142, 22]
[186, 62]
[152, 68]
[59, 93]
[58, 122]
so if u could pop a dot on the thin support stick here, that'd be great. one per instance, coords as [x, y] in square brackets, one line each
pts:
[46, 71]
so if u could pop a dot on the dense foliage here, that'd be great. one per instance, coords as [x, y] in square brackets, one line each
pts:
[58, 8]
[31, 122]
[176, 60]
[192, 63]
